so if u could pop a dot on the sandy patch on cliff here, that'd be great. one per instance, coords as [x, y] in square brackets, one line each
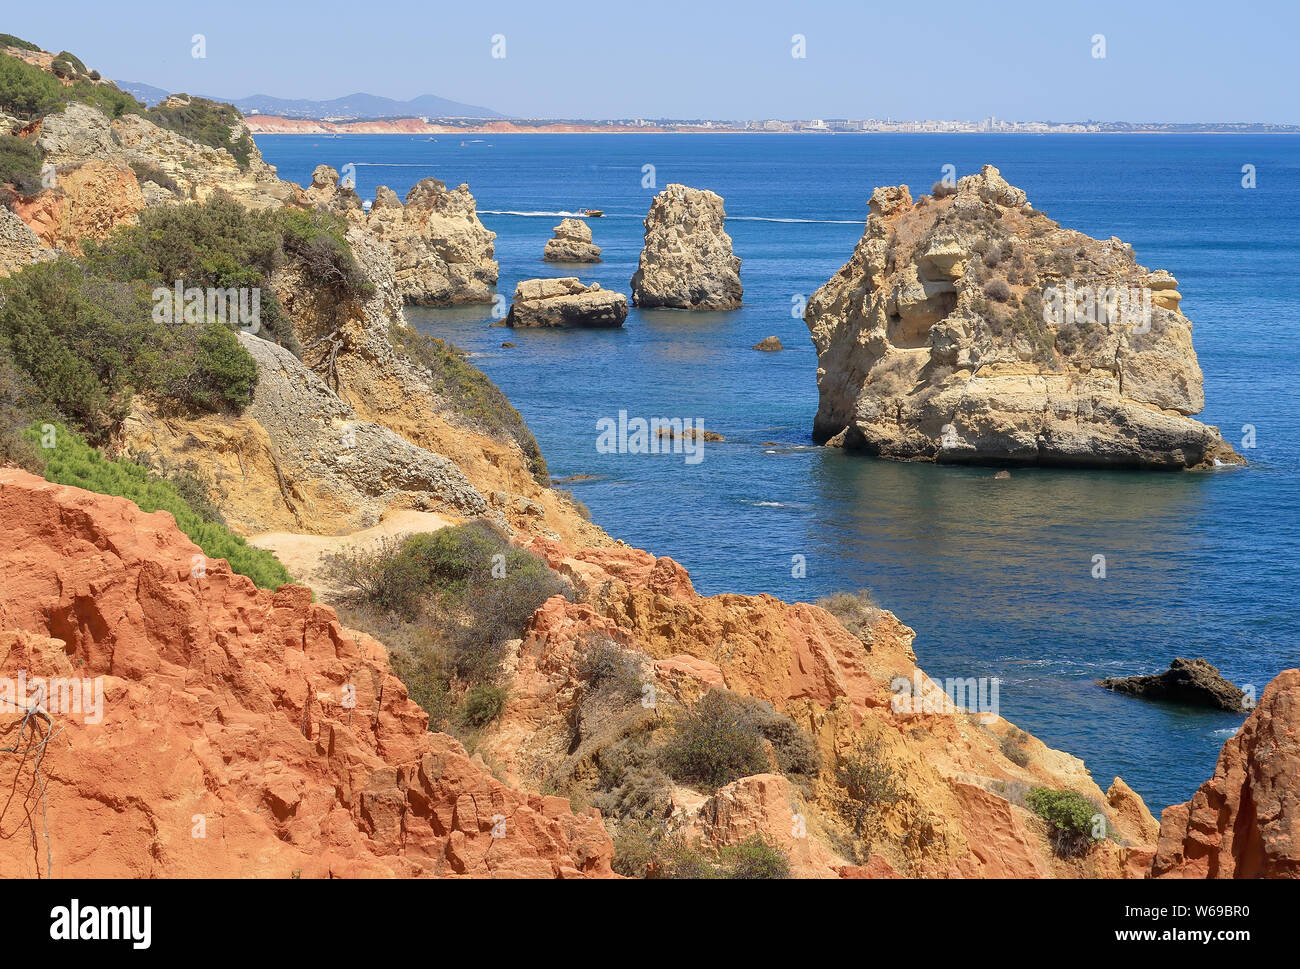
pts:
[304, 555]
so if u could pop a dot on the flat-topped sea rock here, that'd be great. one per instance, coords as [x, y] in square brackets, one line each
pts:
[687, 262]
[572, 243]
[968, 327]
[566, 302]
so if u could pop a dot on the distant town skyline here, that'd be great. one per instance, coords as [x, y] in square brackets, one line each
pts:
[763, 59]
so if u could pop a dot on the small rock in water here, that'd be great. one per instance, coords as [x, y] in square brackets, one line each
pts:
[507, 344]
[768, 344]
[1002, 474]
[1192, 681]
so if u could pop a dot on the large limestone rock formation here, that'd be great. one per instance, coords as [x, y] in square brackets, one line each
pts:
[970, 328]
[572, 243]
[687, 260]
[566, 302]
[1245, 821]
[243, 733]
[441, 252]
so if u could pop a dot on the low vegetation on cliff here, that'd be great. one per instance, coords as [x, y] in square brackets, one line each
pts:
[472, 393]
[28, 92]
[446, 603]
[206, 122]
[69, 460]
[86, 331]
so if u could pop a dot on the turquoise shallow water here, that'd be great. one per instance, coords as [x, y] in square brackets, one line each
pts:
[994, 576]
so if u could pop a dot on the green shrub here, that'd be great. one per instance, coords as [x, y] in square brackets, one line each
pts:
[482, 704]
[754, 858]
[9, 40]
[716, 742]
[68, 66]
[869, 784]
[74, 462]
[856, 611]
[148, 173]
[20, 404]
[26, 91]
[473, 396]
[20, 164]
[1069, 816]
[206, 122]
[90, 342]
[318, 241]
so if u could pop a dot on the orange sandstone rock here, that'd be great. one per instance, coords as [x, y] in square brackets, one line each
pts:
[243, 732]
[1245, 821]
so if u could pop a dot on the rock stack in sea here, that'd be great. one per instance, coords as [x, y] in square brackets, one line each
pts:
[687, 262]
[572, 243]
[969, 327]
[566, 302]
[441, 252]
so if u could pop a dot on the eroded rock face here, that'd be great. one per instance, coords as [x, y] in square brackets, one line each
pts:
[299, 458]
[687, 262]
[961, 812]
[566, 302]
[223, 713]
[572, 243]
[19, 245]
[1245, 821]
[442, 255]
[81, 134]
[970, 328]
[1192, 681]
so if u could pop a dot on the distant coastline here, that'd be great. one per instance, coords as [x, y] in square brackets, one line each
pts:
[265, 124]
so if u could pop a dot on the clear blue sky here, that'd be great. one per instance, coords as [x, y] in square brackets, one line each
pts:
[1187, 61]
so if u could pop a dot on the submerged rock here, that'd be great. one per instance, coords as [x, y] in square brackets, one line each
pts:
[972, 328]
[687, 262]
[572, 243]
[1192, 681]
[565, 302]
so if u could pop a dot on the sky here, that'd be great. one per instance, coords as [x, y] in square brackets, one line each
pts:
[1187, 61]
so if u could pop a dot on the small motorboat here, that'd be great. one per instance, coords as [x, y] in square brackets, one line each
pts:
[591, 213]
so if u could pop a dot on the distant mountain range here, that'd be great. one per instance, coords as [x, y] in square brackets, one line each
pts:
[351, 107]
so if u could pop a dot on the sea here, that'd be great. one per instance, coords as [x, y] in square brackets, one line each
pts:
[998, 578]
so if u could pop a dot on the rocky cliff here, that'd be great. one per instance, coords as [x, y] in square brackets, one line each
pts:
[1245, 821]
[961, 808]
[969, 327]
[239, 732]
[687, 262]
[442, 254]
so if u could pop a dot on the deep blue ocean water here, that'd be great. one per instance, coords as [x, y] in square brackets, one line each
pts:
[994, 576]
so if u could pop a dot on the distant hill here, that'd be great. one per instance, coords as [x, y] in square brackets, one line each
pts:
[359, 105]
